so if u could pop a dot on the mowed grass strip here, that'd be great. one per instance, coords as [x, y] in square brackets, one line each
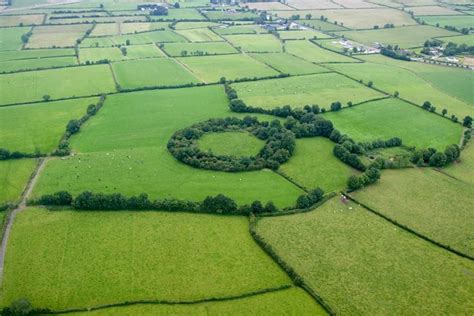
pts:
[43, 63]
[256, 43]
[388, 118]
[313, 53]
[237, 66]
[289, 64]
[97, 258]
[22, 127]
[11, 37]
[321, 89]
[14, 175]
[232, 143]
[427, 201]
[57, 83]
[313, 165]
[190, 49]
[151, 73]
[412, 84]
[361, 264]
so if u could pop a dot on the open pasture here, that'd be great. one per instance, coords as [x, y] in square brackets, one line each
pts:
[179, 14]
[289, 64]
[458, 21]
[464, 168]
[462, 39]
[143, 51]
[356, 4]
[43, 63]
[258, 43]
[165, 36]
[22, 127]
[212, 68]
[301, 34]
[100, 19]
[217, 15]
[11, 37]
[410, 85]
[427, 204]
[313, 53]
[57, 83]
[151, 73]
[406, 37]
[266, 6]
[16, 20]
[200, 35]
[431, 10]
[56, 36]
[361, 264]
[239, 29]
[321, 89]
[89, 54]
[14, 175]
[313, 165]
[194, 25]
[322, 26]
[308, 4]
[232, 143]
[395, 118]
[190, 49]
[36, 53]
[113, 257]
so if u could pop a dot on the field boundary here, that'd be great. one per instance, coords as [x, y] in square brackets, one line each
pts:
[410, 230]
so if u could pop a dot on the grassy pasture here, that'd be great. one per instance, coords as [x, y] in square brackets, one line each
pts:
[200, 35]
[406, 37]
[266, 6]
[322, 89]
[35, 53]
[313, 53]
[356, 4]
[431, 10]
[119, 28]
[151, 73]
[228, 15]
[114, 257]
[179, 14]
[43, 63]
[284, 302]
[143, 51]
[427, 204]
[101, 19]
[11, 37]
[60, 36]
[253, 43]
[314, 165]
[289, 64]
[99, 53]
[306, 4]
[463, 39]
[464, 169]
[410, 85]
[129, 136]
[166, 36]
[212, 68]
[395, 118]
[15, 20]
[22, 127]
[239, 29]
[361, 264]
[14, 175]
[58, 83]
[458, 21]
[194, 25]
[321, 25]
[239, 144]
[301, 34]
[209, 48]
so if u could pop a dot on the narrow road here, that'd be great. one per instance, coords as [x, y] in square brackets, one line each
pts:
[21, 206]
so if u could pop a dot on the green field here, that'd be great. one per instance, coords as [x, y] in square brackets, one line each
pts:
[200, 35]
[323, 26]
[15, 20]
[301, 34]
[289, 64]
[166, 36]
[313, 165]
[209, 48]
[464, 169]
[180, 14]
[283, 302]
[138, 152]
[110, 257]
[58, 83]
[458, 21]
[56, 36]
[228, 15]
[194, 25]
[361, 264]
[406, 37]
[231, 144]
[22, 127]
[239, 29]
[255, 43]
[36, 53]
[427, 204]
[321, 89]
[463, 39]
[100, 53]
[432, 10]
[395, 118]
[212, 68]
[119, 28]
[43, 63]
[313, 53]
[151, 73]
[413, 86]
[11, 37]
[14, 175]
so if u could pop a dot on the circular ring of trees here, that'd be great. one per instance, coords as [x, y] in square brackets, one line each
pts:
[278, 148]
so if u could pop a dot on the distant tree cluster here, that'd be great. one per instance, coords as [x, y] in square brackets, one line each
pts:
[396, 54]
[6, 154]
[433, 158]
[279, 145]
[452, 49]
[370, 175]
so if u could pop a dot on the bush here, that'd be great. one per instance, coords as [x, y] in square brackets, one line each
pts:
[307, 200]
[438, 159]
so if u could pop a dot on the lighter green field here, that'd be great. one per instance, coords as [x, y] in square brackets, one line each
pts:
[239, 144]
[57, 83]
[11, 37]
[322, 89]
[313, 165]
[120, 28]
[212, 68]
[151, 73]
[166, 36]
[22, 127]
[303, 34]
[14, 175]
[458, 21]
[100, 53]
[463, 39]
[433, 204]
[256, 43]
[323, 26]
[209, 48]
[99, 258]
[239, 29]
[464, 169]
[413, 85]
[129, 136]
[314, 53]
[289, 64]
[15, 20]
[283, 302]
[394, 118]
[200, 35]
[36, 53]
[362, 264]
[227, 15]
[43, 63]
[59, 36]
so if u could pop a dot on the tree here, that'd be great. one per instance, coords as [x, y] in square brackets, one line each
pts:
[438, 159]
[256, 207]
[219, 204]
[21, 307]
[426, 105]
[303, 201]
[73, 126]
[308, 16]
[270, 207]
[353, 183]
[336, 106]
[444, 112]
[370, 84]
[467, 121]
[452, 153]
[46, 97]
[127, 42]
[176, 5]
[396, 94]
